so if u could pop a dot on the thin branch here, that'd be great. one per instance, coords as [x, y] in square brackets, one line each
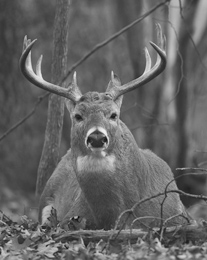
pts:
[204, 172]
[163, 201]
[131, 211]
[192, 169]
[163, 227]
[141, 218]
[21, 121]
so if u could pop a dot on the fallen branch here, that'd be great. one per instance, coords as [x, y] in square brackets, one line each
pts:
[192, 232]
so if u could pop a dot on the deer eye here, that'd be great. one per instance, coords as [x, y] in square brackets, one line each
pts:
[113, 116]
[78, 117]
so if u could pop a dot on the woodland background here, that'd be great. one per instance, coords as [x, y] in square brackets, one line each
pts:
[168, 115]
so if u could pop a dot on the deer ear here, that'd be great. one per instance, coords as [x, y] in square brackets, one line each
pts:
[70, 105]
[113, 83]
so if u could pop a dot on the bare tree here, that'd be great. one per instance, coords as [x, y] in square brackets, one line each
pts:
[181, 72]
[50, 153]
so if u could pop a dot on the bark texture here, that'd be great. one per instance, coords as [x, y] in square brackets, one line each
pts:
[50, 153]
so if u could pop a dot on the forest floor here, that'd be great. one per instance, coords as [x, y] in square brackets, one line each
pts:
[23, 238]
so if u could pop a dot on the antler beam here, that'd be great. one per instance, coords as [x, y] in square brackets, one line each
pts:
[149, 73]
[37, 79]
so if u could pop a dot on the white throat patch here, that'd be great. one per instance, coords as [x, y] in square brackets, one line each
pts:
[90, 163]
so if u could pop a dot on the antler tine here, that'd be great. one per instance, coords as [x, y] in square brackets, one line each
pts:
[148, 61]
[149, 73]
[161, 42]
[74, 78]
[37, 79]
[38, 67]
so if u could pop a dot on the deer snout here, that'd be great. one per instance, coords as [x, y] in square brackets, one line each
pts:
[97, 138]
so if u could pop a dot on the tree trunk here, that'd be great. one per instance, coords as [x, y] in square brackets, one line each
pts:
[182, 67]
[127, 12]
[50, 153]
[181, 84]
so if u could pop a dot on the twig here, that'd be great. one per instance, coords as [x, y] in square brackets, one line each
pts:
[180, 192]
[192, 169]
[162, 228]
[131, 211]
[21, 121]
[185, 174]
[174, 179]
[145, 217]
[203, 172]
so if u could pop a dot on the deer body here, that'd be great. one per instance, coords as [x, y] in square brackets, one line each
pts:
[105, 172]
[98, 187]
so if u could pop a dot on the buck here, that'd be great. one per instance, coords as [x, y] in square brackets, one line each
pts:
[105, 172]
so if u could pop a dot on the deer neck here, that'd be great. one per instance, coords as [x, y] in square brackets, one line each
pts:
[96, 176]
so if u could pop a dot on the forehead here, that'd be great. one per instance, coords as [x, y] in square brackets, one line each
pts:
[95, 102]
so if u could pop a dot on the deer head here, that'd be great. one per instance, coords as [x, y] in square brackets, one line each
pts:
[93, 114]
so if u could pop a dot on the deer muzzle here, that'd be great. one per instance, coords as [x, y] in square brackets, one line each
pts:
[97, 139]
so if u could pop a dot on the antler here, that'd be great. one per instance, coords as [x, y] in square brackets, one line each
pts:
[149, 73]
[72, 92]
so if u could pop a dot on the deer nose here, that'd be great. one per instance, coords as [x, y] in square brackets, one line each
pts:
[97, 139]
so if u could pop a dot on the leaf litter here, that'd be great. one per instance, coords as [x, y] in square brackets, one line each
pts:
[28, 240]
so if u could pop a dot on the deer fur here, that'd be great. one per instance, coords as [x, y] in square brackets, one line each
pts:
[100, 187]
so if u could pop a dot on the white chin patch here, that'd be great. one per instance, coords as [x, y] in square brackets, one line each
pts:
[99, 152]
